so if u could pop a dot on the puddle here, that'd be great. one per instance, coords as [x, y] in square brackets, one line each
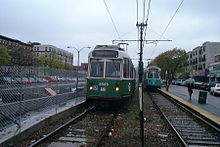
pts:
[65, 144]
[77, 139]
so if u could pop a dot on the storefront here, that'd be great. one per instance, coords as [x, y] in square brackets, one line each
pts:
[202, 76]
[214, 71]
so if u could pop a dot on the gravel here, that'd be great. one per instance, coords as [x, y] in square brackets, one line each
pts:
[126, 128]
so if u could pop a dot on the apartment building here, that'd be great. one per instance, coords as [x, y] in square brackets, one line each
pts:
[214, 69]
[200, 59]
[39, 50]
[13, 45]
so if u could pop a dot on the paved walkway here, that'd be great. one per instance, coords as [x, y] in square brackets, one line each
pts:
[36, 117]
[212, 103]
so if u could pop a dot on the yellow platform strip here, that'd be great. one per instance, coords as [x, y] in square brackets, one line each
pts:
[196, 108]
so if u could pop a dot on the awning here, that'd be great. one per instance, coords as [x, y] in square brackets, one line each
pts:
[217, 75]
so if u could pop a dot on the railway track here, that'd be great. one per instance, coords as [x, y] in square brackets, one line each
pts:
[87, 129]
[189, 128]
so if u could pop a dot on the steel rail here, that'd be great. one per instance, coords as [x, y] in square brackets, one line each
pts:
[192, 112]
[170, 124]
[61, 127]
[105, 132]
[192, 116]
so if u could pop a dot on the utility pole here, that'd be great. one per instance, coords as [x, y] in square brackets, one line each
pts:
[140, 84]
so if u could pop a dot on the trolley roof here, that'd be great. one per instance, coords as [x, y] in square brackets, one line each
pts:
[108, 51]
[153, 67]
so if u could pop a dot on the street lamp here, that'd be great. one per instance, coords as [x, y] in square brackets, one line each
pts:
[78, 51]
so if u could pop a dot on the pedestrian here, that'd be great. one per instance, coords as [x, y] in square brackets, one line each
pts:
[167, 85]
[190, 90]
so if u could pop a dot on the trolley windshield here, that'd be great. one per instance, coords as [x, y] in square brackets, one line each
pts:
[112, 69]
[153, 74]
[97, 69]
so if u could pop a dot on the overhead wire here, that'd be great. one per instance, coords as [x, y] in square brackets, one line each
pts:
[147, 18]
[106, 6]
[137, 10]
[144, 21]
[168, 25]
[144, 3]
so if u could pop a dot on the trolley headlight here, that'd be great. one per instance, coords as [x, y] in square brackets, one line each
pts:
[91, 85]
[117, 88]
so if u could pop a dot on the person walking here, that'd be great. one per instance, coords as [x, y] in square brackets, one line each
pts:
[190, 90]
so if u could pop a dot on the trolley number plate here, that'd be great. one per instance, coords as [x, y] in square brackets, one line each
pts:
[103, 84]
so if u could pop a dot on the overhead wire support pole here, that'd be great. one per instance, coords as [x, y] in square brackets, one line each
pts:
[140, 85]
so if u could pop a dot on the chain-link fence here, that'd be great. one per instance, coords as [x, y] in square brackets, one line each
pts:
[27, 89]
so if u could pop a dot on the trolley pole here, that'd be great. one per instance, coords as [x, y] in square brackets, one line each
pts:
[140, 85]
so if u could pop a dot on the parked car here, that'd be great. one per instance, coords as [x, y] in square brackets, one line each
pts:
[205, 86]
[50, 79]
[33, 80]
[189, 81]
[18, 79]
[197, 85]
[39, 80]
[25, 80]
[179, 82]
[7, 80]
[215, 88]
[202, 86]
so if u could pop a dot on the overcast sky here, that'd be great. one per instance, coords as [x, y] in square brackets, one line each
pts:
[82, 23]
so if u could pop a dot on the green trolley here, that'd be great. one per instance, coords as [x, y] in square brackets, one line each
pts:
[152, 78]
[111, 74]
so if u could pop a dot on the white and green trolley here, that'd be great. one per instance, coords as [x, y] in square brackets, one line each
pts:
[111, 74]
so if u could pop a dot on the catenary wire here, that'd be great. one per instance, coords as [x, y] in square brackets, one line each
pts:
[147, 18]
[137, 10]
[144, 3]
[167, 25]
[106, 6]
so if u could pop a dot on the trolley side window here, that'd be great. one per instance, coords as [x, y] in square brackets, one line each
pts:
[126, 68]
[112, 69]
[97, 69]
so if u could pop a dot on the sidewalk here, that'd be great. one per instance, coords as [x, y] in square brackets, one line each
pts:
[212, 104]
[35, 117]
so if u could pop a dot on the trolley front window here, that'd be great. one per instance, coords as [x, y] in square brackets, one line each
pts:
[153, 74]
[105, 53]
[112, 69]
[97, 69]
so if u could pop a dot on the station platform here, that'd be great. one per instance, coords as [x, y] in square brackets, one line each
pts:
[211, 109]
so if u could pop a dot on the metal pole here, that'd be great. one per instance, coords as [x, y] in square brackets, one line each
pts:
[77, 78]
[78, 51]
[141, 84]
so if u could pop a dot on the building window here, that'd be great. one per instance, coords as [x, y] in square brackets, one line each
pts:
[217, 58]
[204, 58]
[46, 49]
